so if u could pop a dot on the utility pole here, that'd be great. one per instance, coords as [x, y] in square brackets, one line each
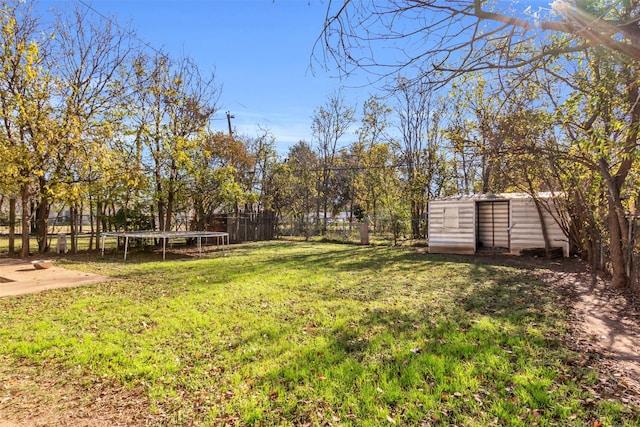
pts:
[229, 117]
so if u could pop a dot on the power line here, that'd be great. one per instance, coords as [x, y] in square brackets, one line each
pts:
[114, 23]
[354, 168]
[145, 43]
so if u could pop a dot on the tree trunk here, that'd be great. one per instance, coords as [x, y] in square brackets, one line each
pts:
[171, 197]
[32, 217]
[237, 221]
[101, 218]
[325, 199]
[12, 225]
[42, 225]
[375, 213]
[92, 227]
[26, 223]
[543, 225]
[305, 223]
[617, 250]
[169, 211]
[99, 224]
[617, 222]
[324, 214]
[79, 213]
[42, 217]
[486, 177]
[112, 214]
[317, 218]
[160, 206]
[73, 227]
[199, 220]
[415, 219]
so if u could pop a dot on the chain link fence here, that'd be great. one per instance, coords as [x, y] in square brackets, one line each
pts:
[391, 231]
[259, 227]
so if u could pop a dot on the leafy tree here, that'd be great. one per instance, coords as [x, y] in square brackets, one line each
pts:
[373, 154]
[25, 94]
[173, 109]
[384, 174]
[480, 143]
[262, 149]
[591, 47]
[304, 167]
[329, 124]
[217, 173]
[601, 120]
[280, 190]
[421, 145]
[88, 57]
[55, 88]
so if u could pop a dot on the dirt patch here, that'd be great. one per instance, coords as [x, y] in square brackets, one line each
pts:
[31, 396]
[21, 277]
[604, 324]
[605, 327]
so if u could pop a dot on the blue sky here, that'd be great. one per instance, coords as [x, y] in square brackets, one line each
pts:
[260, 50]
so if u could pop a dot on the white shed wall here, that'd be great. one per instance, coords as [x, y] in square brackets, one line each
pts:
[526, 232]
[452, 226]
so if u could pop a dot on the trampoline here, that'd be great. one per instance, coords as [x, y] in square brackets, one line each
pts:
[222, 239]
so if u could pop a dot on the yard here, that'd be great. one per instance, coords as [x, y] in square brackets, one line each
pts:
[285, 333]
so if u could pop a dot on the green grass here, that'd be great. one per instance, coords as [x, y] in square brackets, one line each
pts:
[293, 333]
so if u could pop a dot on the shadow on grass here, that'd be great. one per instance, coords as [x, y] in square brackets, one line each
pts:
[357, 333]
[391, 363]
[484, 338]
[490, 288]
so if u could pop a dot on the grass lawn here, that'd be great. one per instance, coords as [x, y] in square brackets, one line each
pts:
[288, 333]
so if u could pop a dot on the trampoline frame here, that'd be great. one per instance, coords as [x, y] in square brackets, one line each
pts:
[222, 238]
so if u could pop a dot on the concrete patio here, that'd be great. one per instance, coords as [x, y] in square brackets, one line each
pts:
[21, 277]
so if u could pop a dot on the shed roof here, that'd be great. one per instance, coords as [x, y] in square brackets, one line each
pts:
[497, 196]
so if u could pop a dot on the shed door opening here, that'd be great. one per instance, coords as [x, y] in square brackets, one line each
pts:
[493, 225]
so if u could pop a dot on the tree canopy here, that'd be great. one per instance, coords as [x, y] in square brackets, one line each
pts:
[475, 97]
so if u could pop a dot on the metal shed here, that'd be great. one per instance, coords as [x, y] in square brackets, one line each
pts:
[507, 222]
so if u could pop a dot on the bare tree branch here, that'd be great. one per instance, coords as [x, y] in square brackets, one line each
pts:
[390, 37]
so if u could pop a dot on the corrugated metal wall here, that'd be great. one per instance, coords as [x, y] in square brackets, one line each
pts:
[452, 227]
[510, 222]
[493, 224]
[526, 232]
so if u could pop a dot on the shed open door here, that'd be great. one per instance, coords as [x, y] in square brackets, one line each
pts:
[493, 225]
